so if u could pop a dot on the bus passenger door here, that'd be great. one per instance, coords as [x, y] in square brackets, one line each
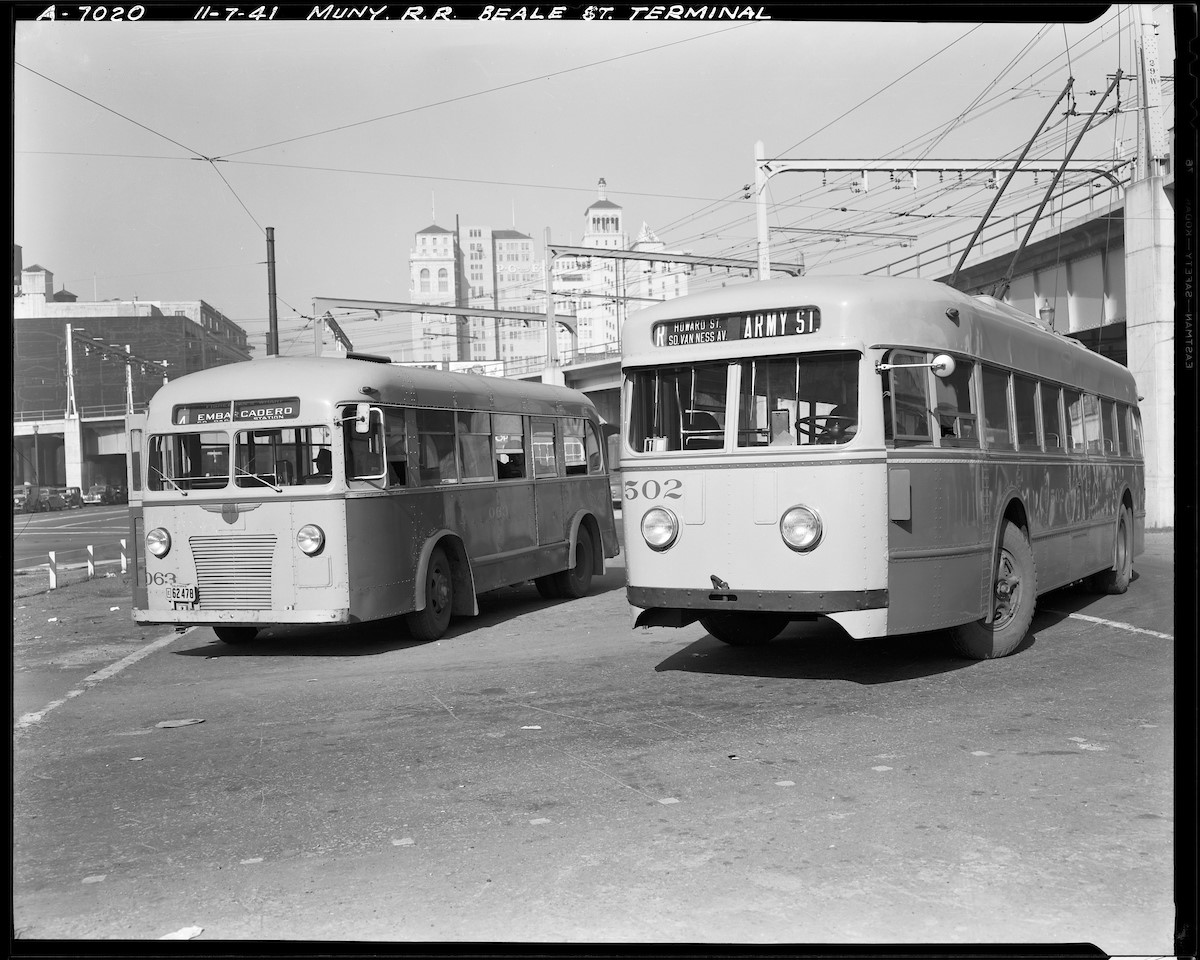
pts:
[135, 429]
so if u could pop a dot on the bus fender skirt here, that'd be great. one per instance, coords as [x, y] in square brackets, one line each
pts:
[666, 617]
[1012, 501]
[465, 602]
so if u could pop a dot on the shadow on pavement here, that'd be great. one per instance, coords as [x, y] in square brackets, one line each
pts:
[382, 636]
[821, 650]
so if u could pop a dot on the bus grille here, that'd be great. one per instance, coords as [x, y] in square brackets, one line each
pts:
[233, 573]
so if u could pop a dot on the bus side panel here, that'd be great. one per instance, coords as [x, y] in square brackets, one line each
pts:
[551, 516]
[939, 558]
[593, 496]
[497, 524]
[1045, 489]
[384, 541]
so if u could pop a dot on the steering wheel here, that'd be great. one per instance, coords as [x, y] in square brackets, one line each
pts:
[833, 426]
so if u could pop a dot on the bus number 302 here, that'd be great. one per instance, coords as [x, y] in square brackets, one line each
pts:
[652, 489]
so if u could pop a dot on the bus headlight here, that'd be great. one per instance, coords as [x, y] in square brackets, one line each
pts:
[158, 542]
[659, 528]
[310, 538]
[800, 528]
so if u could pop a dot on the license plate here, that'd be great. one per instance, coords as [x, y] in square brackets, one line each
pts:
[182, 593]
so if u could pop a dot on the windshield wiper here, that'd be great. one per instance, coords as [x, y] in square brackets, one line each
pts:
[264, 482]
[169, 480]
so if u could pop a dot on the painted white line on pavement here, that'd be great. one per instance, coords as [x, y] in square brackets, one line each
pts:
[29, 719]
[1113, 623]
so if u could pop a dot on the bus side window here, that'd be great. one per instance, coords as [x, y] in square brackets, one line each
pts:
[1107, 435]
[1123, 430]
[1025, 410]
[364, 452]
[509, 443]
[1052, 428]
[1073, 409]
[574, 455]
[435, 447]
[1135, 420]
[906, 402]
[545, 463]
[595, 458]
[475, 445]
[1091, 425]
[955, 411]
[396, 445]
[995, 408]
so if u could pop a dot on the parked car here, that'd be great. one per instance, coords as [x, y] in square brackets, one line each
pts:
[119, 495]
[73, 497]
[25, 500]
[50, 499]
[99, 494]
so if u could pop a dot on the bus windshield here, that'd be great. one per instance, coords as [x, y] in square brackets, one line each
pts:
[793, 400]
[267, 457]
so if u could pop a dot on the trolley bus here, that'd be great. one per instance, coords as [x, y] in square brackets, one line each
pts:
[341, 490]
[890, 454]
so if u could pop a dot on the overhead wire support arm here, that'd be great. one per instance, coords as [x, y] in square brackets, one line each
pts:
[1004, 282]
[794, 269]
[1007, 180]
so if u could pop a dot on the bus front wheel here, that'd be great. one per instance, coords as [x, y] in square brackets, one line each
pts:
[235, 635]
[574, 583]
[744, 629]
[1117, 579]
[431, 622]
[1014, 595]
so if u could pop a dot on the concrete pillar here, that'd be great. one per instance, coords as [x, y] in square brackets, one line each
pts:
[1150, 312]
[73, 452]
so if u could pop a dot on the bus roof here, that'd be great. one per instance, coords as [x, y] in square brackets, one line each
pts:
[864, 312]
[342, 380]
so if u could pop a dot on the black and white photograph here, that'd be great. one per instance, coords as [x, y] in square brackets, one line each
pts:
[688, 478]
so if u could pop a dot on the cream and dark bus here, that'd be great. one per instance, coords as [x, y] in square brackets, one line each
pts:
[348, 489]
[888, 453]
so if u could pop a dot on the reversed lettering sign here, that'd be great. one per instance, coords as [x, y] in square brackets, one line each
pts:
[753, 325]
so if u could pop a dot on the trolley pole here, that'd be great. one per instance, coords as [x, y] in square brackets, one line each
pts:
[760, 203]
[273, 328]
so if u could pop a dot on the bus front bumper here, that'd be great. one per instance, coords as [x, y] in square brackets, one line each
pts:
[239, 618]
[679, 607]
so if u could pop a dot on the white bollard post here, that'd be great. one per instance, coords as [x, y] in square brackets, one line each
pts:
[91, 563]
[53, 572]
[124, 560]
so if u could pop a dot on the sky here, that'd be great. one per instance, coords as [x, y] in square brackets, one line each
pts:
[150, 157]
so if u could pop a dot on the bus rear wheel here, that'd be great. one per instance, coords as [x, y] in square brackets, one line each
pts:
[744, 629]
[235, 635]
[431, 622]
[1014, 596]
[574, 583]
[1116, 580]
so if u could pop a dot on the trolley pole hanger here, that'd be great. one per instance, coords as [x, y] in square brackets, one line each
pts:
[942, 366]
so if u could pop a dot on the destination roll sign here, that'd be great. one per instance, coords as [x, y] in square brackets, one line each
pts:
[745, 325]
[227, 411]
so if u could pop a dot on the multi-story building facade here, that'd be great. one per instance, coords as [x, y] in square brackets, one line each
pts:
[79, 366]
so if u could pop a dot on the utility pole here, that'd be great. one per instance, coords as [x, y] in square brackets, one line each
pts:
[1152, 142]
[760, 204]
[273, 326]
[553, 372]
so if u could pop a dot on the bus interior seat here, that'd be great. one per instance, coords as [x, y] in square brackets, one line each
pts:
[702, 431]
[285, 473]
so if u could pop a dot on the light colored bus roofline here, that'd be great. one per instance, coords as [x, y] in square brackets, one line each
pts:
[884, 311]
[340, 379]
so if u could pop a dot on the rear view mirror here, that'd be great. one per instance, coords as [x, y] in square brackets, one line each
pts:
[362, 418]
[943, 366]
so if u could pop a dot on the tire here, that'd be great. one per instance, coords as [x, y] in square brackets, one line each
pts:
[744, 629]
[574, 583]
[1116, 580]
[235, 636]
[431, 622]
[546, 586]
[1015, 596]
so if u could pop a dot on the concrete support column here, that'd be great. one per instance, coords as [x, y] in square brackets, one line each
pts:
[73, 452]
[1150, 309]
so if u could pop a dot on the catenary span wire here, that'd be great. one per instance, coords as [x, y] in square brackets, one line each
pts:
[480, 93]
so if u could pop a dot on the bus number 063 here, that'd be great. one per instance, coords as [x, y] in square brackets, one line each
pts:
[652, 489]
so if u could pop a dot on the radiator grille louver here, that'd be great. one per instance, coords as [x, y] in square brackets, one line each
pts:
[233, 573]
